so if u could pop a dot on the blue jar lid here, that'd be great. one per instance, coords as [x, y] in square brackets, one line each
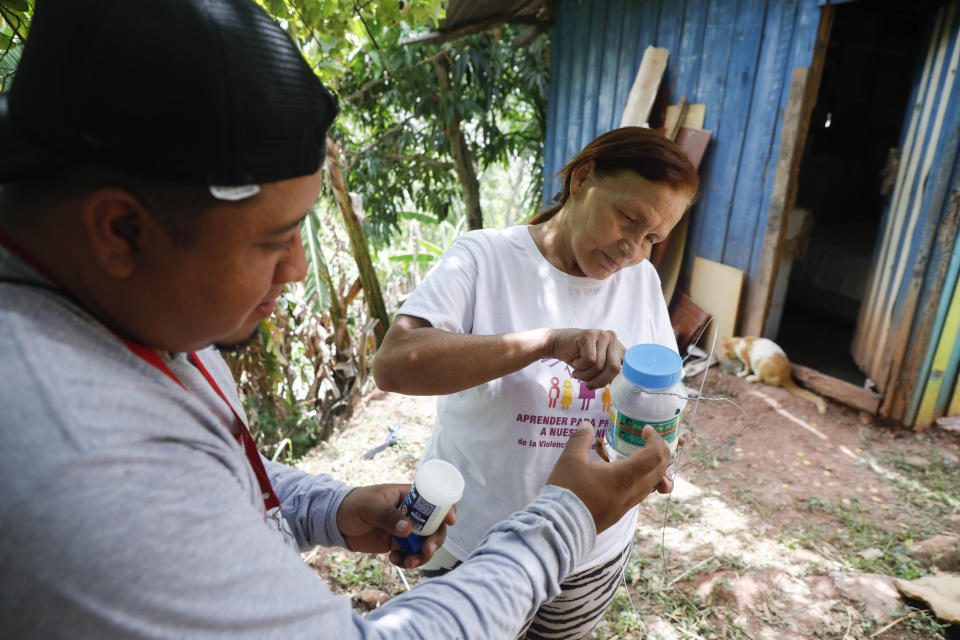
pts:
[652, 366]
[411, 544]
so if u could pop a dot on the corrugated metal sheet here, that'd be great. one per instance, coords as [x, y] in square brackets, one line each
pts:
[737, 56]
[734, 55]
[946, 355]
[903, 313]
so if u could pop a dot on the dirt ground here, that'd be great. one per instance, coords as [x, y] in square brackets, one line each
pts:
[783, 524]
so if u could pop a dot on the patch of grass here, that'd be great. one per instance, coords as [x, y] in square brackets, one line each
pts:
[938, 477]
[713, 456]
[919, 621]
[347, 572]
[858, 530]
[655, 596]
[724, 391]
[923, 622]
[677, 512]
[620, 619]
[813, 503]
[748, 496]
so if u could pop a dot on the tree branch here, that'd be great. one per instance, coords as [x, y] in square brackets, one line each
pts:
[377, 142]
[7, 14]
[366, 86]
[460, 151]
[424, 160]
[373, 39]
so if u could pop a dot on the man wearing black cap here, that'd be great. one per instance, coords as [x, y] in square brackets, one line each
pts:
[156, 159]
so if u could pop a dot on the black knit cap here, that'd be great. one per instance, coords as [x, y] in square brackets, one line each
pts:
[205, 92]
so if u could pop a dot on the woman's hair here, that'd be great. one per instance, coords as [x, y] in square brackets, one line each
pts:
[645, 151]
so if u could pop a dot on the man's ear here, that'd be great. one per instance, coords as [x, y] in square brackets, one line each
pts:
[579, 176]
[114, 222]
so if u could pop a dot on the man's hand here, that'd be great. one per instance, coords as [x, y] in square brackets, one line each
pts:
[607, 489]
[369, 516]
[595, 356]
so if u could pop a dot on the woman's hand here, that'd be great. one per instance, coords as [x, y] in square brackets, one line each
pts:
[369, 517]
[596, 356]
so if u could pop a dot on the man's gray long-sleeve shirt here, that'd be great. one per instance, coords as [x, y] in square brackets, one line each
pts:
[129, 510]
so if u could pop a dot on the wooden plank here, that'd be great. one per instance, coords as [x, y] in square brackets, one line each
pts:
[905, 207]
[907, 326]
[694, 142]
[871, 308]
[645, 86]
[941, 361]
[804, 84]
[672, 122]
[716, 288]
[760, 289]
[693, 116]
[953, 409]
[669, 265]
[941, 289]
[804, 49]
[773, 80]
[837, 389]
[669, 259]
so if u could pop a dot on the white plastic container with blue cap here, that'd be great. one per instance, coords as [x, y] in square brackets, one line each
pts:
[437, 486]
[648, 391]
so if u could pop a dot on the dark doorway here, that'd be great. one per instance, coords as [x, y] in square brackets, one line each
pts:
[846, 179]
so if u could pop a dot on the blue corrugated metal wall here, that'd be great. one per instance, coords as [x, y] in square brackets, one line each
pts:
[737, 56]
[734, 55]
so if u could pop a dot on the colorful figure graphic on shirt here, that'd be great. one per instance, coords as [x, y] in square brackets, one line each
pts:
[586, 395]
[605, 398]
[553, 393]
[567, 398]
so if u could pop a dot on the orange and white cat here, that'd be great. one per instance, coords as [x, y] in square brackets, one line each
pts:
[764, 361]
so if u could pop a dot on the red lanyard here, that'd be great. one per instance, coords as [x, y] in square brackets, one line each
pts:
[270, 500]
[148, 355]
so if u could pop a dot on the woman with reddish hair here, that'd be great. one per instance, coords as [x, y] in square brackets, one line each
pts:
[510, 320]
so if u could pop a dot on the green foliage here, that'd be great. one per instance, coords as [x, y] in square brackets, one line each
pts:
[620, 619]
[395, 113]
[415, 247]
[15, 18]
[309, 362]
[285, 436]
[347, 572]
[319, 284]
[331, 32]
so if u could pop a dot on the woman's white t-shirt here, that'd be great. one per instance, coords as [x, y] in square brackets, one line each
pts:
[505, 435]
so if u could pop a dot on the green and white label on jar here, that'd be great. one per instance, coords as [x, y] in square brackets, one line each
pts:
[625, 437]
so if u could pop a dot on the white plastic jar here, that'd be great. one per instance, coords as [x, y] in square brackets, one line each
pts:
[648, 391]
[437, 486]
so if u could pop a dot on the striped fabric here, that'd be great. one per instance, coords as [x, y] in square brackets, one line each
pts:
[583, 599]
